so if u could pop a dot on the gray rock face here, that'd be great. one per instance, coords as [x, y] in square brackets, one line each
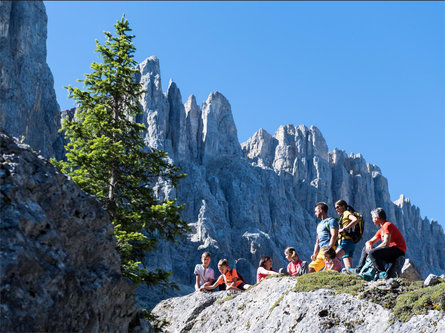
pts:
[28, 105]
[60, 271]
[219, 136]
[154, 104]
[272, 306]
[255, 199]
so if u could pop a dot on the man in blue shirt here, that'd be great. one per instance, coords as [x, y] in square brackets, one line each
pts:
[327, 235]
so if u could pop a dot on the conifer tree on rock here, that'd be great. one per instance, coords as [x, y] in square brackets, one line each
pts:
[106, 156]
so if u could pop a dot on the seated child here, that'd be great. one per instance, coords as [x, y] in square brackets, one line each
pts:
[265, 269]
[229, 277]
[331, 261]
[296, 266]
[204, 274]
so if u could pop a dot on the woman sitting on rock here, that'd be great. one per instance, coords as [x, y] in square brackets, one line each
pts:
[265, 269]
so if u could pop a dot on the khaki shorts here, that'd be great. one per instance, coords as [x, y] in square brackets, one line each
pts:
[318, 263]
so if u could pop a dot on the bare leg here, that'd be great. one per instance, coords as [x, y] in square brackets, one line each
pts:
[348, 262]
[340, 253]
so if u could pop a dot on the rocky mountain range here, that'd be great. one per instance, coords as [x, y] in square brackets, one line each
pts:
[243, 201]
[248, 200]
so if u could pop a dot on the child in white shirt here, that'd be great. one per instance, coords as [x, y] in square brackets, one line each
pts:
[204, 274]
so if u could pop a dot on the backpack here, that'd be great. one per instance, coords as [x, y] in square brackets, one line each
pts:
[356, 232]
[368, 272]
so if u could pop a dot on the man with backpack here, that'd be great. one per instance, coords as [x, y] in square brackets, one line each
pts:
[392, 244]
[327, 234]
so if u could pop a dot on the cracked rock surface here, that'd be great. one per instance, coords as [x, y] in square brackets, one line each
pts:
[272, 306]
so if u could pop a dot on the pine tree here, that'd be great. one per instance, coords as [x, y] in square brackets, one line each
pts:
[106, 156]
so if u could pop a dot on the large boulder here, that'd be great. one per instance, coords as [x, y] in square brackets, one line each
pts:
[410, 272]
[60, 271]
[273, 306]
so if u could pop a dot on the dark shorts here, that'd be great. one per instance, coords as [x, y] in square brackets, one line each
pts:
[348, 246]
[241, 286]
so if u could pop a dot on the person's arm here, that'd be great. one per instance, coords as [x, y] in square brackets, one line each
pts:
[334, 236]
[316, 249]
[264, 271]
[369, 244]
[197, 285]
[353, 221]
[209, 287]
[213, 286]
[386, 239]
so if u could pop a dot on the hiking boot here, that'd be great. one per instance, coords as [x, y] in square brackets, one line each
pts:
[349, 271]
[382, 275]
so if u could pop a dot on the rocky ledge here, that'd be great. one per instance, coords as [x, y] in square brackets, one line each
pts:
[282, 304]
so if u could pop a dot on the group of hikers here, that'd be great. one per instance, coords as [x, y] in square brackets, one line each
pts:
[336, 239]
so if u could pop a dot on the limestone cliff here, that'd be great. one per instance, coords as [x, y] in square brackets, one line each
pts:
[28, 105]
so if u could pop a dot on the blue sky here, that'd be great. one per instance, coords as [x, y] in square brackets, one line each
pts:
[369, 75]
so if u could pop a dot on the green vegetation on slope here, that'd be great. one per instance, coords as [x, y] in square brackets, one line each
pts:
[341, 283]
[420, 301]
[404, 298]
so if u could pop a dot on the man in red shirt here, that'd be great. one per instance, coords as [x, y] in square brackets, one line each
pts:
[392, 246]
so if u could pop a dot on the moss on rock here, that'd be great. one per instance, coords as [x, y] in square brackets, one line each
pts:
[341, 283]
[404, 297]
[420, 301]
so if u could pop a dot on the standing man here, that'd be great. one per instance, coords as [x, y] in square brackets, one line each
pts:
[327, 234]
[392, 246]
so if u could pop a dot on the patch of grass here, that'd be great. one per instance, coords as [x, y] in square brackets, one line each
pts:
[227, 298]
[406, 300]
[341, 283]
[420, 301]
[388, 298]
[278, 302]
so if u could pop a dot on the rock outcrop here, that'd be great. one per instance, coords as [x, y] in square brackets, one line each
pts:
[28, 105]
[254, 199]
[60, 271]
[273, 306]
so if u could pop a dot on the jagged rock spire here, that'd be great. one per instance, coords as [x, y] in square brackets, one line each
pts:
[28, 105]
